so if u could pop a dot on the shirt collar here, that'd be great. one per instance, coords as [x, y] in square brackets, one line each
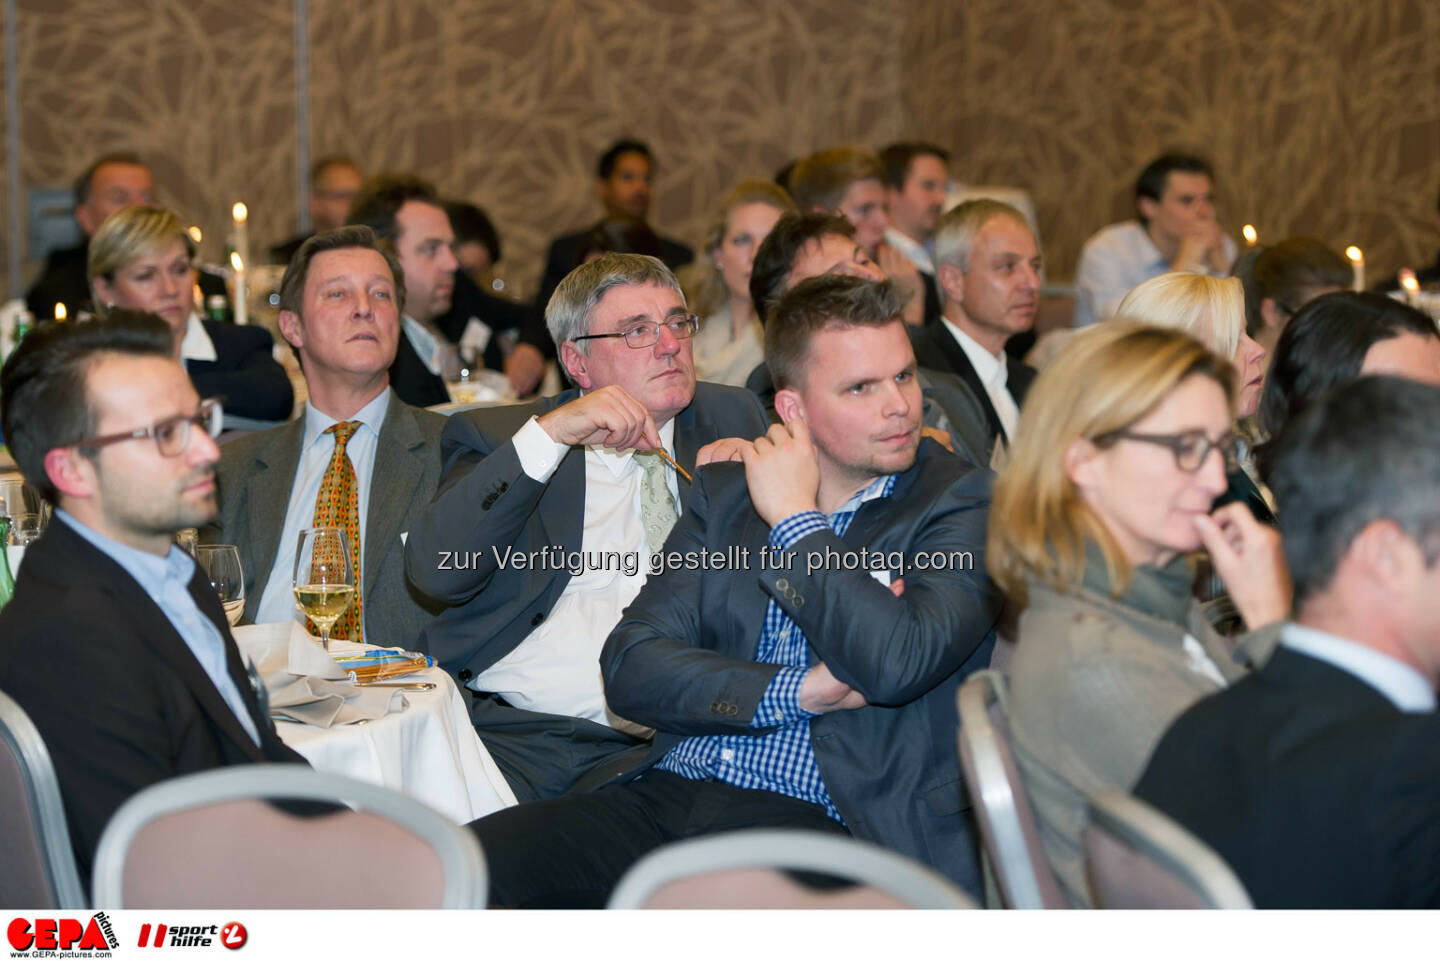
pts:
[880, 487]
[1145, 249]
[990, 369]
[1404, 686]
[372, 415]
[197, 344]
[918, 253]
[149, 571]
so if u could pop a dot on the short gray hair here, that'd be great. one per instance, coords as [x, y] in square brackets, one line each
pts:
[568, 314]
[956, 234]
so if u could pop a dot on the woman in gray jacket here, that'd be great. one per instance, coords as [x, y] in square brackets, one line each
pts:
[1120, 450]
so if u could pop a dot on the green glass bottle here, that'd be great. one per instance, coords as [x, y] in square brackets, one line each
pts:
[7, 583]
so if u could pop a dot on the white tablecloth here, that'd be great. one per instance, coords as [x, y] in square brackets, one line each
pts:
[428, 751]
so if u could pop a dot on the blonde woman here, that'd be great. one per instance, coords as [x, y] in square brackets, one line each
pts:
[729, 344]
[141, 259]
[1120, 452]
[1212, 309]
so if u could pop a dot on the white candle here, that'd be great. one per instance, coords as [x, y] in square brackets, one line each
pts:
[241, 294]
[1410, 285]
[1357, 264]
[241, 215]
[60, 313]
[1250, 236]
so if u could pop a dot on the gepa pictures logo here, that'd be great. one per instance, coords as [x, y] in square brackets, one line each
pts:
[46, 937]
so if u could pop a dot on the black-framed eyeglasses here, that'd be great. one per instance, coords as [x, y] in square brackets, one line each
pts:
[648, 334]
[171, 435]
[1190, 447]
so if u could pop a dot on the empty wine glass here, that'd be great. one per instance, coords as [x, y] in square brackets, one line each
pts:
[324, 577]
[221, 564]
[25, 529]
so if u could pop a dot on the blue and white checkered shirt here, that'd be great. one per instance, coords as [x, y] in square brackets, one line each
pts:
[782, 761]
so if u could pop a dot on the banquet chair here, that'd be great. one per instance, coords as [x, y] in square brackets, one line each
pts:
[1139, 858]
[210, 840]
[35, 846]
[742, 869]
[1002, 806]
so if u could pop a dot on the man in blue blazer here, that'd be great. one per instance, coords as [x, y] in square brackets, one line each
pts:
[539, 534]
[799, 650]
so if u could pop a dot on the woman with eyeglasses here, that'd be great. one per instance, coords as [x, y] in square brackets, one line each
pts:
[1212, 310]
[730, 343]
[141, 259]
[1120, 453]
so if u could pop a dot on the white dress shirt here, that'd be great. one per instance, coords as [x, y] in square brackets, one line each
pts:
[993, 374]
[918, 253]
[197, 344]
[1112, 262]
[439, 356]
[1402, 685]
[556, 669]
[277, 603]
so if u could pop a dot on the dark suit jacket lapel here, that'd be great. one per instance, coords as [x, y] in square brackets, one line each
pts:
[949, 348]
[1018, 377]
[267, 496]
[693, 430]
[744, 597]
[156, 632]
[390, 496]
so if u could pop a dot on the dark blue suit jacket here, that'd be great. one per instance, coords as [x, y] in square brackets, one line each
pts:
[244, 372]
[682, 658]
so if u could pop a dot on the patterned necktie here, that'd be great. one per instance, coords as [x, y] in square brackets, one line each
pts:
[338, 505]
[657, 509]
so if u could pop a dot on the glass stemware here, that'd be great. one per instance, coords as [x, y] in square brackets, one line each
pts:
[221, 564]
[324, 577]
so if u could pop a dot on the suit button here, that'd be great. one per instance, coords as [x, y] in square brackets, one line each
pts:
[535, 621]
[733, 710]
[487, 503]
[465, 674]
[782, 585]
[504, 486]
[799, 601]
[714, 707]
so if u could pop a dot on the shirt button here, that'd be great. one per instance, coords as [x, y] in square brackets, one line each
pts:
[727, 755]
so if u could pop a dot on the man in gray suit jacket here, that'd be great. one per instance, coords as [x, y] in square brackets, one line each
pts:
[808, 678]
[340, 307]
[546, 519]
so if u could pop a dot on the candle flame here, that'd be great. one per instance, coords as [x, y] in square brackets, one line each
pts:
[239, 212]
[1408, 281]
[195, 234]
[1250, 236]
[60, 313]
[1353, 252]
[236, 263]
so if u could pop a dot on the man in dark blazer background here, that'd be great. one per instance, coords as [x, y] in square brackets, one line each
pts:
[988, 267]
[115, 644]
[789, 686]
[340, 302]
[1318, 778]
[526, 488]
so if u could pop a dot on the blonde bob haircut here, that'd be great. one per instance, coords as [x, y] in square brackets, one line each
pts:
[1211, 309]
[129, 234]
[1107, 378]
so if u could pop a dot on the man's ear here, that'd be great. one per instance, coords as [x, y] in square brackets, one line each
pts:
[85, 217]
[1272, 315]
[1147, 208]
[1082, 464]
[789, 405]
[574, 363]
[71, 472]
[292, 329]
[1386, 556]
[952, 281]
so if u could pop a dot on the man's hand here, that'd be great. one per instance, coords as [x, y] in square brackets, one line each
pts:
[821, 693]
[782, 472]
[1202, 247]
[1250, 559]
[906, 277]
[524, 367]
[724, 449]
[608, 416]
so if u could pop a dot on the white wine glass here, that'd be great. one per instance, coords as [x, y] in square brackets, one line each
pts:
[324, 577]
[221, 564]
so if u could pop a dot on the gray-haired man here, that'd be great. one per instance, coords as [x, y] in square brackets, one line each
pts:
[548, 513]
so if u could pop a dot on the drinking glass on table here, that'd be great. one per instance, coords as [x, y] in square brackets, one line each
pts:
[324, 577]
[25, 529]
[221, 564]
[18, 497]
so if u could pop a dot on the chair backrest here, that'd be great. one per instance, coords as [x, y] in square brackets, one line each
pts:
[1007, 822]
[210, 840]
[738, 870]
[1139, 858]
[35, 845]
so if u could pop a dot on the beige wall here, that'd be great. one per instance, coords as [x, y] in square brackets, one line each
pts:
[1322, 116]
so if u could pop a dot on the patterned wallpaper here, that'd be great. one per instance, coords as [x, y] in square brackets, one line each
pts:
[1322, 116]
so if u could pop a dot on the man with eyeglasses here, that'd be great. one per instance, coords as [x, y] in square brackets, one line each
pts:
[548, 514]
[115, 644]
